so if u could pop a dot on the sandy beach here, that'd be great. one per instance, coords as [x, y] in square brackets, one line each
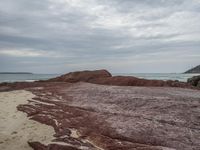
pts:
[16, 129]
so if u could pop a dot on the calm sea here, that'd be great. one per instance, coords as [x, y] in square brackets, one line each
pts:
[25, 77]
[34, 77]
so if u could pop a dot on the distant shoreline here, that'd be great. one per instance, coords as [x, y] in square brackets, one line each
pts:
[16, 73]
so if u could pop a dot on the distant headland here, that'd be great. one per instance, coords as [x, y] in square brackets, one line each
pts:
[194, 70]
[16, 73]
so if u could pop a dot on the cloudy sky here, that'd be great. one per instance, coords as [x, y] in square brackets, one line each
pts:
[57, 36]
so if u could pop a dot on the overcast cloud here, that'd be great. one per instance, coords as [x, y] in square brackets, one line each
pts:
[57, 36]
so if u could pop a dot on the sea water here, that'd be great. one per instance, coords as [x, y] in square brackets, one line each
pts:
[35, 77]
[25, 77]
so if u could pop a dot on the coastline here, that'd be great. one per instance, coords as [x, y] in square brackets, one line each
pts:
[151, 76]
[20, 132]
[16, 129]
[97, 111]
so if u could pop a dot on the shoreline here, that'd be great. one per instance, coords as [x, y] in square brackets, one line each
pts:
[16, 129]
[148, 76]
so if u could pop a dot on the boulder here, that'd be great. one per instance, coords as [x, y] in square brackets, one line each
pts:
[194, 81]
[84, 76]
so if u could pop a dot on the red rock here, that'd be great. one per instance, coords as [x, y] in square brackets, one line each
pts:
[82, 76]
[133, 81]
[97, 77]
[105, 78]
[116, 117]
[39, 146]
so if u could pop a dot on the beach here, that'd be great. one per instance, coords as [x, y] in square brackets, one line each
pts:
[16, 129]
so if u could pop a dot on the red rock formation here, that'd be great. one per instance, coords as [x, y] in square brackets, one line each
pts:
[133, 81]
[105, 78]
[97, 77]
[116, 118]
[113, 117]
[84, 76]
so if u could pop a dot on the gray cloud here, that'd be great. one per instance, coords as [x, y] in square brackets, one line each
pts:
[120, 35]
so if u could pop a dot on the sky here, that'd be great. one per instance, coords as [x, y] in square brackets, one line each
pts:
[123, 36]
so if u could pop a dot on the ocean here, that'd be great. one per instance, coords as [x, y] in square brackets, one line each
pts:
[34, 77]
[25, 77]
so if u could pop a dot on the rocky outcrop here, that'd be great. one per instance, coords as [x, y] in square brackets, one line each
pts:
[84, 76]
[194, 81]
[133, 81]
[105, 78]
[123, 117]
[194, 70]
[102, 77]
[101, 117]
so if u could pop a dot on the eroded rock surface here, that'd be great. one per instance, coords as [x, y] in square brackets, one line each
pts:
[90, 116]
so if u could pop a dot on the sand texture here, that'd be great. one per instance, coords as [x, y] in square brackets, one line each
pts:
[16, 129]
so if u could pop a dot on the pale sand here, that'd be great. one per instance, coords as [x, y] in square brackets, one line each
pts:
[15, 127]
